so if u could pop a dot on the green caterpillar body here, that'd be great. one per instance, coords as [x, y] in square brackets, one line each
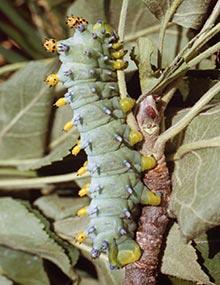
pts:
[88, 70]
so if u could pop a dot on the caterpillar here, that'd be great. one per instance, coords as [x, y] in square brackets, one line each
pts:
[90, 59]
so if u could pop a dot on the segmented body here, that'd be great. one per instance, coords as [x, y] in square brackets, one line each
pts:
[90, 59]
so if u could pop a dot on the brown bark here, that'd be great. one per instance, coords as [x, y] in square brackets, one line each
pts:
[151, 229]
[154, 220]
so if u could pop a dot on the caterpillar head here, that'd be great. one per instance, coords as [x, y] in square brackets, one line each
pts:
[102, 28]
[50, 45]
[75, 22]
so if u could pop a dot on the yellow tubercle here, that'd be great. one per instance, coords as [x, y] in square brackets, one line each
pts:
[76, 149]
[119, 64]
[117, 45]
[148, 162]
[84, 190]
[68, 126]
[61, 102]
[80, 237]
[135, 137]
[82, 212]
[52, 79]
[118, 54]
[150, 198]
[127, 104]
[82, 169]
[50, 45]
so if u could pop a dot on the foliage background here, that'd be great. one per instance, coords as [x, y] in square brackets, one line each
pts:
[38, 184]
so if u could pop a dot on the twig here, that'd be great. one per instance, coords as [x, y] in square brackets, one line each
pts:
[153, 220]
[213, 17]
[179, 66]
[179, 126]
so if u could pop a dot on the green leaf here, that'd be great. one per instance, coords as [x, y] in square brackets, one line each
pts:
[88, 281]
[25, 109]
[11, 56]
[94, 10]
[180, 259]
[58, 208]
[67, 229]
[57, 154]
[20, 23]
[61, 143]
[208, 245]
[20, 229]
[189, 14]
[177, 281]
[21, 267]
[110, 11]
[5, 281]
[19, 39]
[195, 180]
[145, 51]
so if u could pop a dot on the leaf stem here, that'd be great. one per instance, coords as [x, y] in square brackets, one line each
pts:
[40, 181]
[121, 33]
[168, 16]
[12, 67]
[179, 126]
[183, 149]
[147, 31]
[15, 172]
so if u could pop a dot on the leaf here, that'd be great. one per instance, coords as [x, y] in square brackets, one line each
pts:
[145, 51]
[94, 10]
[58, 208]
[57, 154]
[177, 281]
[136, 19]
[180, 259]
[67, 229]
[189, 14]
[195, 196]
[88, 281]
[197, 84]
[11, 56]
[20, 229]
[5, 281]
[209, 247]
[24, 112]
[61, 142]
[21, 267]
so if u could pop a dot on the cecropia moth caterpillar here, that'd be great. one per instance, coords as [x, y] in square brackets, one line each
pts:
[90, 59]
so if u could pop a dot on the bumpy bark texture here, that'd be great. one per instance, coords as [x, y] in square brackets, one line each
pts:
[154, 220]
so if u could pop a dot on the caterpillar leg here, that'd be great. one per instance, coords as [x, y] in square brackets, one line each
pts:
[150, 198]
[128, 252]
